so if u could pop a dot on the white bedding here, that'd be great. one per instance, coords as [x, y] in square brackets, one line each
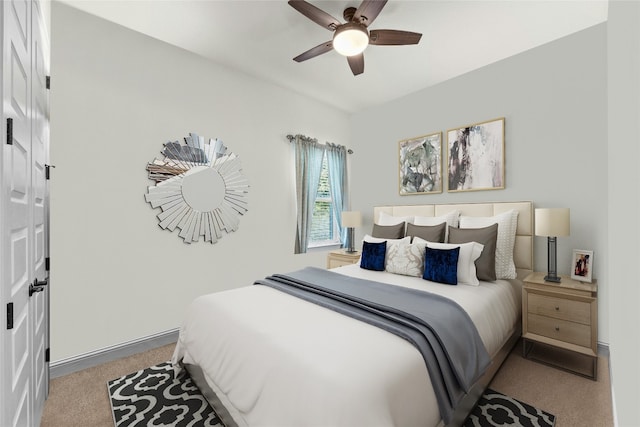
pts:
[275, 360]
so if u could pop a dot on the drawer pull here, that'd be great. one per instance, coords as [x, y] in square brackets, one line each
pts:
[557, 328]
[557, 308]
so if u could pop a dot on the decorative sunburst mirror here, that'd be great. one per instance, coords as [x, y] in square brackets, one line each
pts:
[199, 188]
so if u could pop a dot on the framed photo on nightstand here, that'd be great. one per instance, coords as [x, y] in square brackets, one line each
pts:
[582, 265]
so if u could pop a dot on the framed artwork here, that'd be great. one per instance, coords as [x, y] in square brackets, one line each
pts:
[582, 265]
[420, 166]
[475, 156]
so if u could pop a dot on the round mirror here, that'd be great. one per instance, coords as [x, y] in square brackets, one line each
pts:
[199, 187]
[203, 189]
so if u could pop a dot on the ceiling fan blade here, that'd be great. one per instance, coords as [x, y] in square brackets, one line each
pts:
[314, 51]
[356, 62]
[368, 11]
[393, 37]
[318, 16]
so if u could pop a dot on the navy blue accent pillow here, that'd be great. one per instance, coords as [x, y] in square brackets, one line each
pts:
[373, 255]
[441, 265]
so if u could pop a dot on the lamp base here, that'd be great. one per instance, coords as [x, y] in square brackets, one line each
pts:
[554, 279]
[552, 270]
[350, 244]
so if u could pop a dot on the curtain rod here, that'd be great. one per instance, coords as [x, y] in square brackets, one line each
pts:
[291, 138]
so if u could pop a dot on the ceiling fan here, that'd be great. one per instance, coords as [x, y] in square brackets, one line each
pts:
[351, 38]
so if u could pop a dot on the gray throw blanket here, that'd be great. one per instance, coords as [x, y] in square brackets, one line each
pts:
[438, 327]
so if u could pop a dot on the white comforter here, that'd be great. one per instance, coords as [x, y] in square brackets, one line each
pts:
[275, 360]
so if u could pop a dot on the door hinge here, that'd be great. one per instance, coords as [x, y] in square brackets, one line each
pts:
[10, 315]
[9, 131]
[47, 169]
[47, 355]
[47, 263]
[48, 84]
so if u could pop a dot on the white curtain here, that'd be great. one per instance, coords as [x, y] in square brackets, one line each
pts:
[308, 155]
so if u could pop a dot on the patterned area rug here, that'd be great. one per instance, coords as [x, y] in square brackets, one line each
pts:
[153, 397]
[496, 409]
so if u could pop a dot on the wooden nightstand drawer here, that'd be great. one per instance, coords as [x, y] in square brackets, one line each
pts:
[560, 308]
[560, 330]
[341, 257]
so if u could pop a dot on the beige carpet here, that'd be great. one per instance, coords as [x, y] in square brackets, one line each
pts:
[574, 400]
[81, 399]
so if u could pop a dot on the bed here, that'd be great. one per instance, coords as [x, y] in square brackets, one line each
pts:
[263, 357]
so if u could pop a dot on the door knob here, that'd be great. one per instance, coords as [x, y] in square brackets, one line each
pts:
[37, 286]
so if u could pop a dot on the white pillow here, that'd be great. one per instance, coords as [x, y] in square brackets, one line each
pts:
[469, 253]
[507, 225]
[386, 219]
[405, 258]
[450, 218]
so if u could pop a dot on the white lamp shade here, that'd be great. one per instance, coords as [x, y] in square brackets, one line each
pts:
[350, 39]
[351, 219]
[554, 222]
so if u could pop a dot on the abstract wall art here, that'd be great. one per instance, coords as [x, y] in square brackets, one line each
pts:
[420, 166]
[475, 157]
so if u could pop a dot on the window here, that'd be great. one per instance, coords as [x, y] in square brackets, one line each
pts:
[324, 227]
[321, 191]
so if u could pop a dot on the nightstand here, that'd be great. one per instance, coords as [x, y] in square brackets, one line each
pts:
[561, 316]
[341, 257]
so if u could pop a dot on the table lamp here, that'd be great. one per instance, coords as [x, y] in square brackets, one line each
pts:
[350, 220]
[552, 223]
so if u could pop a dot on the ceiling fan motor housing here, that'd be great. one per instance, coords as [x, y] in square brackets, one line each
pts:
[348, 13]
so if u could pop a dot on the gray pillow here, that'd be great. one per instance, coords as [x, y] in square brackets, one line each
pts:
[430, 233]
[388, 231]
[486, 264]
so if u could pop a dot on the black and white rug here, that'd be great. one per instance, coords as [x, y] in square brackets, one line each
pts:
[496, 409]
[153, 397]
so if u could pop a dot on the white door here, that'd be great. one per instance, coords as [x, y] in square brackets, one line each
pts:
[23, 223]
[40, 200]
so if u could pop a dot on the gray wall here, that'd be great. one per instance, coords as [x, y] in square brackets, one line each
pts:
[116, 97]
[624, 209]
[554, 101]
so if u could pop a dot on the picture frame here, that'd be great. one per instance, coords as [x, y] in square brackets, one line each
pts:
[475, 157]
[420, 165]
[582, 265]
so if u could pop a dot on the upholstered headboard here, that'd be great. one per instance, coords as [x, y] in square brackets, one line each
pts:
[523, 250]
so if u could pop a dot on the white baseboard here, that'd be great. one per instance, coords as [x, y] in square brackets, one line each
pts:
[603, 349]
[69, 365]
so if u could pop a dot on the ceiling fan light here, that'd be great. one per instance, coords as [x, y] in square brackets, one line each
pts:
[350, 39]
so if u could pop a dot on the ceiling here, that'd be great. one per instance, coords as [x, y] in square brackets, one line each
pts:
[261, 37]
